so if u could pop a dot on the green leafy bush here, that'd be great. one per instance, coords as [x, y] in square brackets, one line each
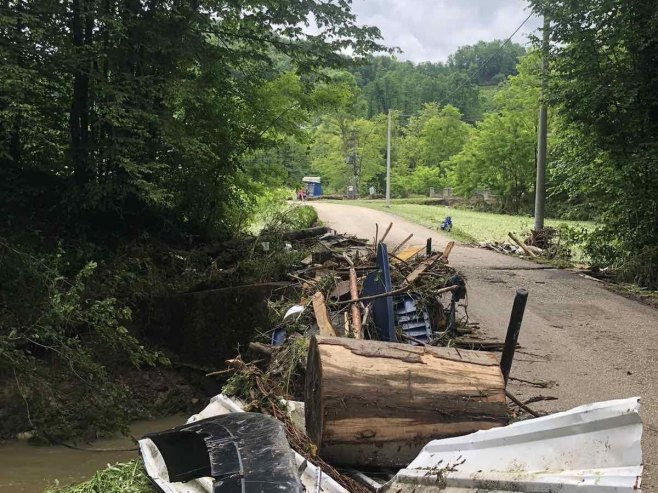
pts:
[290, 218]
[57, 342]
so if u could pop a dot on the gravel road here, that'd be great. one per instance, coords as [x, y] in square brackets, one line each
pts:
[594, 344]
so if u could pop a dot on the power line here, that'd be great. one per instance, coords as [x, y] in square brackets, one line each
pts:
[470, 79]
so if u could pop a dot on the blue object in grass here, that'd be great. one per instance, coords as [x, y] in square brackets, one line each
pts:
[446, 225]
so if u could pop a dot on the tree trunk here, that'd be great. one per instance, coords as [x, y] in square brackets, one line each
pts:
[79, 117]
[371, 403]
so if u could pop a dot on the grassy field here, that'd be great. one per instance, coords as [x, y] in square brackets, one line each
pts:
[468, 225]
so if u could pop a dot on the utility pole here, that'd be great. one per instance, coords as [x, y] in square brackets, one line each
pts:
[540, 186]
[388, 161]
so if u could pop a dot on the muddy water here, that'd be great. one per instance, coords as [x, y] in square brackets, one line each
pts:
[29, 469]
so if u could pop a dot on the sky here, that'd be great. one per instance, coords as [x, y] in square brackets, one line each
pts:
[430, 30]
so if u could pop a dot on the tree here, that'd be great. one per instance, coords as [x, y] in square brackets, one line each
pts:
[443, 136]
[425, 146]
[388, 83]
[489, 62]
[352, 154]
[130, 104]
[604, 82]
[501, 152]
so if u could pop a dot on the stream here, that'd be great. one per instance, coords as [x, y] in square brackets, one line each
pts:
[26, 468]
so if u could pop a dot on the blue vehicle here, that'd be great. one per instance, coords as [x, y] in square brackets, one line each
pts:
[446, 225]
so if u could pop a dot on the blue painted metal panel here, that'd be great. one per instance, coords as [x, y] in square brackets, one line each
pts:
[378, 282]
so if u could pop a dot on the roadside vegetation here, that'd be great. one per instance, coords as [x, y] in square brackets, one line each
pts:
[470, 226]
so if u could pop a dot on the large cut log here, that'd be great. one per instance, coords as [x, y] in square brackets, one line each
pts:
[378, 403]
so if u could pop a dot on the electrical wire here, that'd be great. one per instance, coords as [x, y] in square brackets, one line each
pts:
[472, 78]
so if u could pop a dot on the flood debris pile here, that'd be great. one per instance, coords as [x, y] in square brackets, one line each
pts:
[527, 247]
[348, 288]
[371, 367]
[559, 244]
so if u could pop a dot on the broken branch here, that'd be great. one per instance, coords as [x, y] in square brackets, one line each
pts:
[446, 252]
[393, 293]
[520, 243]
[521, 404]
[386, 233]
[404, 242]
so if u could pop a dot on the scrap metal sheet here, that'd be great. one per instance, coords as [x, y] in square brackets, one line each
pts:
[592, 448]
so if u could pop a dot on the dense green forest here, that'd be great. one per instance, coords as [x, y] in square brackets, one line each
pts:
[134, 132]
[124, 131]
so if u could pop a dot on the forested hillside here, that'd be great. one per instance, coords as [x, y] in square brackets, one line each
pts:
[404, 86]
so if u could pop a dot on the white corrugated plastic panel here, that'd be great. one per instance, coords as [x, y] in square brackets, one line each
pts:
[592, 448]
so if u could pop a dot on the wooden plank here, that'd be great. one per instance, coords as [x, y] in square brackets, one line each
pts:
[356, 312]
[422, 267]
[446, 252]
[322, 315]
[409, 253]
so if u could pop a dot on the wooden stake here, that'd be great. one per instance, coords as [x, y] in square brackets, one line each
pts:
[386, 233]
[513, 329]
[520, 243]
[322, 315]
[397, 248]
[356, 312]
[446, 252]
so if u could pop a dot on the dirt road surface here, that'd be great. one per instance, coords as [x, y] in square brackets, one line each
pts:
[594, 344]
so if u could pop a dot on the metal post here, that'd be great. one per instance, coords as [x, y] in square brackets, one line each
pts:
[513, 330]
[540, 186]
[388, 161]
[428, 247]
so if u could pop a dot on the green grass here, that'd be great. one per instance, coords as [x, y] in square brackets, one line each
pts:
[468, 225]
[128, 477]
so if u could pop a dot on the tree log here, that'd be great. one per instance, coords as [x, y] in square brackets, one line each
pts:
[371, 403]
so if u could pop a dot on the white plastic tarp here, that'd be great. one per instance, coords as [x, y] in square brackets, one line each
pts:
[592, 448]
